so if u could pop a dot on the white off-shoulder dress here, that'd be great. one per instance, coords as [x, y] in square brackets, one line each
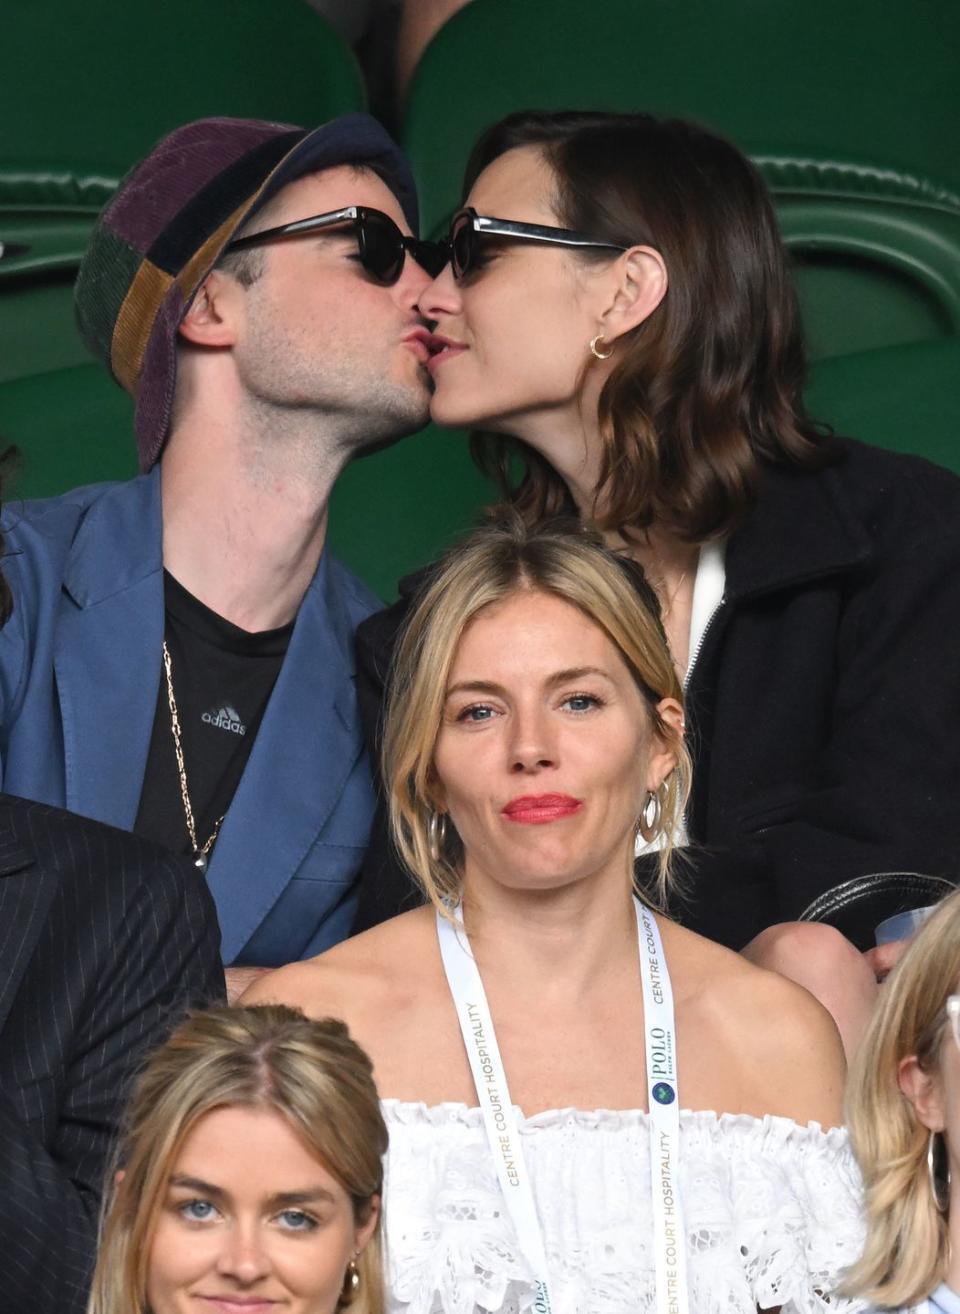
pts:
[772, 1212]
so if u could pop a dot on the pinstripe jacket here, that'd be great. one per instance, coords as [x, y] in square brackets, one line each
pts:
[104, 939]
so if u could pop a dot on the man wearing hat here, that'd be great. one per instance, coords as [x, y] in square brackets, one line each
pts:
[180, 661]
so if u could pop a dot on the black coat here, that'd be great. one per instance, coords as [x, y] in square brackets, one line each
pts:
[823, 706]
[104, 940]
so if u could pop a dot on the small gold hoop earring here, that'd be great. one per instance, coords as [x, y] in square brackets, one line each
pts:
[436, 834]
[595, 349]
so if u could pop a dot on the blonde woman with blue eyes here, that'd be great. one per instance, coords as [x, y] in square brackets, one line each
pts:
[249, 1175]
[904, 1114]
[591, 1109]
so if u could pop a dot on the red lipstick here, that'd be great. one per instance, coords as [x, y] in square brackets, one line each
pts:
[536, 809]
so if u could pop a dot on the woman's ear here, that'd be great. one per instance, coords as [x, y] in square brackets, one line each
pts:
[924, 1090]
[369, 1225]
[663, 757]
[641, 286]
[211, 320]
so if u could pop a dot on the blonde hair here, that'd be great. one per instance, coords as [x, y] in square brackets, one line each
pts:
[269, 1057]
[906, 1250]
[561, 559]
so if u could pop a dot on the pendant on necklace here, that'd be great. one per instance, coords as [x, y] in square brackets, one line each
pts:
[200, 862]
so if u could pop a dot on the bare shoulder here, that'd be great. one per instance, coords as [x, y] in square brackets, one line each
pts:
[780, 1045]
[354, 978]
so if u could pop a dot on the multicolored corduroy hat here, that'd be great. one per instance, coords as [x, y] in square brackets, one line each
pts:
[169, 222]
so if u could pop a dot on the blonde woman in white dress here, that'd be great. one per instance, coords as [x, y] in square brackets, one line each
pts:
[521, 1025]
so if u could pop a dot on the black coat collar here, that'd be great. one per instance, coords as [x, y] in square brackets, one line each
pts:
[802, 527]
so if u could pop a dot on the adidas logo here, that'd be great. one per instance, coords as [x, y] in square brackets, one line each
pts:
[225, 718]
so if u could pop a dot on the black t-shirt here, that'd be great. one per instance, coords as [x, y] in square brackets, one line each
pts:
[222, 680]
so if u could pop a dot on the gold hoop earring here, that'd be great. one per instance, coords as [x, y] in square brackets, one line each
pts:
[436, 834]
[651, 816]
[595, 349]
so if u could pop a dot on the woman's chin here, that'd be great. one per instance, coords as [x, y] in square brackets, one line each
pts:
[450, 413]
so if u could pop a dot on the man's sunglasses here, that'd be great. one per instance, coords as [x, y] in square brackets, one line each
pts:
[381, 246]
[468, 229]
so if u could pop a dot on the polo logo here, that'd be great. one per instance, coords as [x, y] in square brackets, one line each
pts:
[663, 1093]
[225, 718]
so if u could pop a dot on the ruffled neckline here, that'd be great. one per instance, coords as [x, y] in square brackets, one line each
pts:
[413, 1112]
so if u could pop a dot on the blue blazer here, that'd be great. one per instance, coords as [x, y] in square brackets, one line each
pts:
[80, 663]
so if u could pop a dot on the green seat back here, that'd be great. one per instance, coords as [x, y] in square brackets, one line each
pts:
[396, 510]
[905, 398]
[91, 87]
[851, 111]
[73, 426]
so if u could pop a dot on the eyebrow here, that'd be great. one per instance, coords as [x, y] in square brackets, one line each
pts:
[282, 1199]
[197, 1184]
[558, 677]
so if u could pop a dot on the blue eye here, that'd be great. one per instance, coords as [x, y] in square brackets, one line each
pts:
[197, 1211]
[297, 1221]
[477, 713]
[582, 702]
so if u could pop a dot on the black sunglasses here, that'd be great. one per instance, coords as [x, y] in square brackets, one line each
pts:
[467, 229]
[380, 244]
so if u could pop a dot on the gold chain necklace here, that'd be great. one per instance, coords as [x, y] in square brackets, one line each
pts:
[200, 854]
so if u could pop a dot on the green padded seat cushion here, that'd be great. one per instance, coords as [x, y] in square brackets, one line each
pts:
[905, 398]
[72, 426]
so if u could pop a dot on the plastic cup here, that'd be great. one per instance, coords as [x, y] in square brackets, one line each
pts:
[902, 925]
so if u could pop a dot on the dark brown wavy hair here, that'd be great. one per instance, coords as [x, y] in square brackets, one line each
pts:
[709, 386]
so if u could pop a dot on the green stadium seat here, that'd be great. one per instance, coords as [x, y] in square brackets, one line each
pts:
[72, 426]
[396, 510]
[905, 398]
[91, 86]
[851, 111]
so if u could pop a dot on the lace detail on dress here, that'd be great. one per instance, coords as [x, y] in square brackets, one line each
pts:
[771, 1209]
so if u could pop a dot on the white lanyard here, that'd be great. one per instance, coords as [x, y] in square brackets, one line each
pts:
[503, 1134]
[664, 1117]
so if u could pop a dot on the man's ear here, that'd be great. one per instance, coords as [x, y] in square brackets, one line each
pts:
[641, 286]
[211, 320]
[924, 1090]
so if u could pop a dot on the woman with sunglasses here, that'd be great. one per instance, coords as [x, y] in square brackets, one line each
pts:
[618, 322]
[903, 1105]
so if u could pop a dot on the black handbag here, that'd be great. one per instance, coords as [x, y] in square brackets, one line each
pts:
[856, 907]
